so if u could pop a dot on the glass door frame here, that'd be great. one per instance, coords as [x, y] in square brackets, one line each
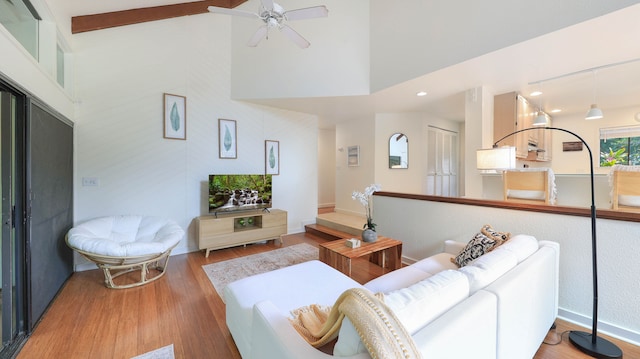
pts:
[12, 249]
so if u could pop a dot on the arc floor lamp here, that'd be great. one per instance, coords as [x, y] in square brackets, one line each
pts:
[501, 158]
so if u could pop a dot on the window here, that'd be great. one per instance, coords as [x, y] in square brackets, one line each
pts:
[60, 65]
[620, 146]
[21, 20]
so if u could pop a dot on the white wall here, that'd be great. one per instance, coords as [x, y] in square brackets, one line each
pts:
[423, 226]
[578, 162]
[480, 25]
[401, 180]
[326, 168]
[348, 178]
[122, 74]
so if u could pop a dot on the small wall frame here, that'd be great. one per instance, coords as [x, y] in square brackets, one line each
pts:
[272, 157]
[175, 117]
[353, 156]
[227, 138]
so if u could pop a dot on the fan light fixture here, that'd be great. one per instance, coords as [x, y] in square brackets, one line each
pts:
[275, 17]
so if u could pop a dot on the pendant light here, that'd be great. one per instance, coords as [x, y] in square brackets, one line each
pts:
[594, 112]
[541, 118]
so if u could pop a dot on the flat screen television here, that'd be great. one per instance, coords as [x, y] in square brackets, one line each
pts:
[237, 192]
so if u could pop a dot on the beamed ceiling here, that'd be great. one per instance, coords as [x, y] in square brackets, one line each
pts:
[106, 20]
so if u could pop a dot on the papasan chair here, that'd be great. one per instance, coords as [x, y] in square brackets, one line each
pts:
[123, 244]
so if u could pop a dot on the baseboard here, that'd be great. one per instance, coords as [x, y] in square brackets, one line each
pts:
[604, 328]
[326, 205]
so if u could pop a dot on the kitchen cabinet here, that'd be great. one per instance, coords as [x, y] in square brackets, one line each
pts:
[512, 112]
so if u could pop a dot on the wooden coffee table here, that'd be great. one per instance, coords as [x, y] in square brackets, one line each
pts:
[387, 253]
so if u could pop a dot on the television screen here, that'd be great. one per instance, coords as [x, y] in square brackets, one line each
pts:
[239, 192]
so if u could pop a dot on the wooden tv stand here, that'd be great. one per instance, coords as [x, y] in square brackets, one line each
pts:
[236, 228]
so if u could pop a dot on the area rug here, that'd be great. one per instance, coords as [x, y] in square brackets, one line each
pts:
[222, 273]
[162, 353]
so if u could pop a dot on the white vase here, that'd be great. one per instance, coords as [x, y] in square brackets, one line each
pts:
[369, 235]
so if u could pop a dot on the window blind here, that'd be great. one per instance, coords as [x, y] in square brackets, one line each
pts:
[619, 132]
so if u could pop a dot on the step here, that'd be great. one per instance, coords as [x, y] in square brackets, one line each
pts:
[344, 223]
[326, 232]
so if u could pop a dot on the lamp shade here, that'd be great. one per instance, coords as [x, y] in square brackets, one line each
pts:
[499, 158]
[540, 120]
[594, 113]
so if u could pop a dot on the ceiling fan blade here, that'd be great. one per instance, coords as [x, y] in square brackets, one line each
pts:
[295, 37]
[267, 4]
[223, 10]
[307, 13]
[260, 34]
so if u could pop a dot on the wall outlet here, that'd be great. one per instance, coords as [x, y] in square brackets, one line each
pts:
[90, 181]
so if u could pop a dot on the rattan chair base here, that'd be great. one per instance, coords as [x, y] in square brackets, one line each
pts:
[114, 267]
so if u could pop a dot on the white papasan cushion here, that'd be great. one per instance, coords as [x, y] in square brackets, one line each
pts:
[125, 236]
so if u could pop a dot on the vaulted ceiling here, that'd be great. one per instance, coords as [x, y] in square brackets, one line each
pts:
[617, 86]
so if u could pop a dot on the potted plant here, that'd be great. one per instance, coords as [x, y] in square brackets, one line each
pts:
[369, 233]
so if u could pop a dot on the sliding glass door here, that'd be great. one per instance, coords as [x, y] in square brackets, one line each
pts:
[11, 242]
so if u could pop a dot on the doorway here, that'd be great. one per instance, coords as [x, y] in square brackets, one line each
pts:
[442, 162]
[36, 183]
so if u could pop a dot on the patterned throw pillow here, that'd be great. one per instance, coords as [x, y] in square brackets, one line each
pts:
[501, 237]
[477, 246]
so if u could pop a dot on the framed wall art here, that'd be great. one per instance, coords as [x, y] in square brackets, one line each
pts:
[175, 117]
[353, 156]
[272, 157]
[227, 138]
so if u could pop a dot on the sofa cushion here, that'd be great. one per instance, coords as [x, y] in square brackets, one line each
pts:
[521, 245]
[414, 306]
[397, 279]
[436, 263]
[349, 342]
[486, 269]
[406, 276]
[418, 304]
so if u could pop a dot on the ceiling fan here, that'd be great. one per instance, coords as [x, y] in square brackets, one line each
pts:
[274, 16]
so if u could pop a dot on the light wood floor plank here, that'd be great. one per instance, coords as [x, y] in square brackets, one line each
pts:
[87, 320]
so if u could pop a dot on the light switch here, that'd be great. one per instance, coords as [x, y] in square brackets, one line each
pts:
[90, 181]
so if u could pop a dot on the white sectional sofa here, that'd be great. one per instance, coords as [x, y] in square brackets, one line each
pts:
[499, 306]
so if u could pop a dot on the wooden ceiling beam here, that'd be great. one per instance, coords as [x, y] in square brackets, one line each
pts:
[135, 16]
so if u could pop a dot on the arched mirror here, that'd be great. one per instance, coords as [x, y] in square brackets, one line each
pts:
[398, 151]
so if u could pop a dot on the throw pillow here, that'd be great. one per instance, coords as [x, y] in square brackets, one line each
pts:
[477, 246]
[501, 237]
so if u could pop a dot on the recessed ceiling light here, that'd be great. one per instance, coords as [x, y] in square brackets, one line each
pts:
[421, 93]
[556, 110]
[535, 93]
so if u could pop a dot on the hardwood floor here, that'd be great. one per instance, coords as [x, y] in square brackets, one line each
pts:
[87, 320]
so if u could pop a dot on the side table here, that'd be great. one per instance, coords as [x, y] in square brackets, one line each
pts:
[387, 253]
